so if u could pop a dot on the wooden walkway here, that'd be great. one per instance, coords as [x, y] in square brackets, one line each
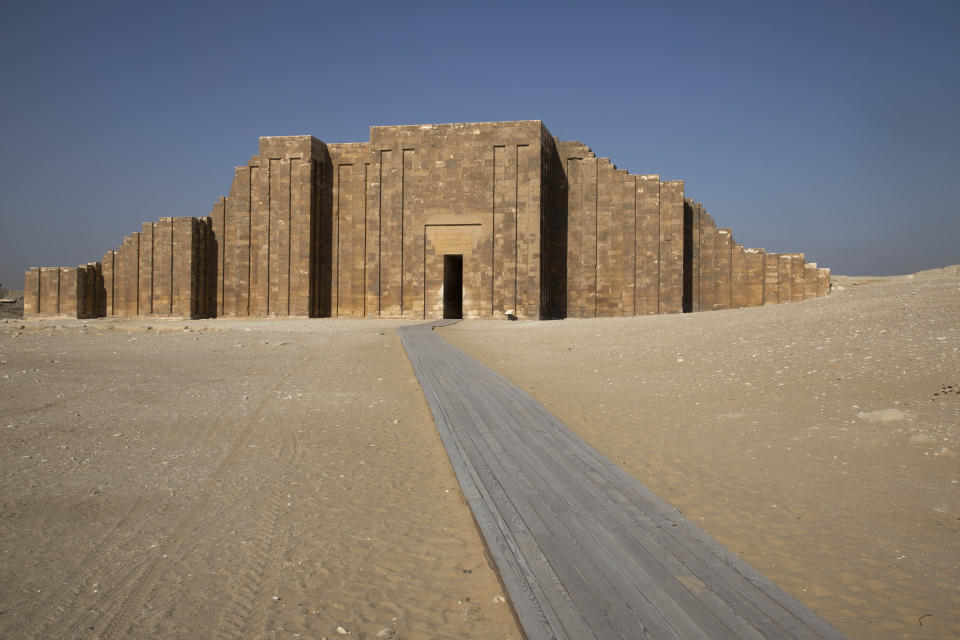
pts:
[584, 550]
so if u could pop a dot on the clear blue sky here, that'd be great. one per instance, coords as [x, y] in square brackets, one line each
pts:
[830, 128]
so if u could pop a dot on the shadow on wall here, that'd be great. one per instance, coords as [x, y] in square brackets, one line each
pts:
[553, 237]
[688, 262]
[322, 269]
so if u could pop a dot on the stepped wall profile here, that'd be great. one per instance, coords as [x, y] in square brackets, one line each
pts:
[494, 219]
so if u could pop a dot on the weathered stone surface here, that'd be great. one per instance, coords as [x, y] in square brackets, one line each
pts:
[31, 292]
[771, 278]
[754, 278]
[648, 245]
[162, 277]
[809, 280]
[106, 307]
[146, 269]
[49, 291]
[796, 269]
[61, 291]
[786, 277]
[67, 292]
[93, 286]
[823, 282]
[723, 259]
[708, 240]
[671, 246]
[739, 277]
[543, 227]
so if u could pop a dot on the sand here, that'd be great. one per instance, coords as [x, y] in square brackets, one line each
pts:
[243, 480]
[264, 479]
[818, 440]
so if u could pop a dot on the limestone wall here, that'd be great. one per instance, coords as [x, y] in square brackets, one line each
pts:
[809, 280]
[823, 282]
[416, 192]
[264, 234]
[708, 240]
[581, 173]
[61, 291]
[648, 245]
[544, 227]
[680, 260]
[723, 262]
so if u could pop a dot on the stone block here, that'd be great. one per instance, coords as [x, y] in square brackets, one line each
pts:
[31, 292]
[126, 277]
[708, 239]
[615, 241]
[582, 173]
[823, 282]
[185, 262]
[671, 246]
[786, 277]
[771, 278]
[723, 258]
[796, 265]
[648, 244]
[49, 291]
[93, 290]
[163, 259]
[106, 304]
[259, 290]
[215, 255]
[145, 269]
[809, 280]
[236, 269]
[70, 286]
[754, 277]
[692, 262]
[739, 277]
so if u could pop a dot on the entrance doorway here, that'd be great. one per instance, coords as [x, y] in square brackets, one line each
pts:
[453, 286]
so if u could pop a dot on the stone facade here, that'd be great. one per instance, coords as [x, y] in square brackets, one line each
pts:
[518, 223]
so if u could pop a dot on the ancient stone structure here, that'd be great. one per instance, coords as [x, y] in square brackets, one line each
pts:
[491, 219]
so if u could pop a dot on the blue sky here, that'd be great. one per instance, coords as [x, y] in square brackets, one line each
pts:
[829, 128]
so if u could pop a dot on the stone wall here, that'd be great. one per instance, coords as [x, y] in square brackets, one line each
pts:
[544, 228]
[264, 235]
[399, 199]
[62, 291]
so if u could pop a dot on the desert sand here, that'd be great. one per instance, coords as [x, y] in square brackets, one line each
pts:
[818, 440]
[243, 480]
[261, 479]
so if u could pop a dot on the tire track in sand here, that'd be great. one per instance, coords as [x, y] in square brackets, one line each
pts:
[249, 606]
[105, 555]
[173, 548]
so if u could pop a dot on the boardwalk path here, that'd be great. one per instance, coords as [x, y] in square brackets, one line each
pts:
[585, 550]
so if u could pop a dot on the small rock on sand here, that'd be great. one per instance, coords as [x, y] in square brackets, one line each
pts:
[883, 415]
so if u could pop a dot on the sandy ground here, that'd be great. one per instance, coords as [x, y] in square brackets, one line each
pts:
[244, 480]
[262, 479]
[818, 440]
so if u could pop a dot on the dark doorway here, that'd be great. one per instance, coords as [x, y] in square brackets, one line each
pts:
[453, 286]
[688, 263]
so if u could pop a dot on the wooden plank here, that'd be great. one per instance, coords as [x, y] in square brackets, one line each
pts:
[621, 575]
[749, 588]
[525, 592]
[644, 569]
[584, 550]
[575, 481]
